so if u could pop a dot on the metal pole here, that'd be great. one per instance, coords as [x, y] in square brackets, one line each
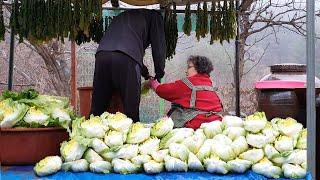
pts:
[11, 54]
[237, 61]
[311, 106]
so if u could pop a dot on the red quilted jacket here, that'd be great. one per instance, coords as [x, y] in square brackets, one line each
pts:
[179, 93]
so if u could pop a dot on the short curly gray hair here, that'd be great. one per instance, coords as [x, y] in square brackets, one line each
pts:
[202, 64]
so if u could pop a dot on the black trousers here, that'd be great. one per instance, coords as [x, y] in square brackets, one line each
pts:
[116, 71]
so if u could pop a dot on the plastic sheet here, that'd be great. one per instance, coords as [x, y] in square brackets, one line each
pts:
[26, 172]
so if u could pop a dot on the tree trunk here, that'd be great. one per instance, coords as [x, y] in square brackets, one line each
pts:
[242, 58]
[244, 29]
[244, 34]
[58, 70]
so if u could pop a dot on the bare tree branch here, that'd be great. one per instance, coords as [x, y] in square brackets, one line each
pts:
[229, 57]
[264, 51]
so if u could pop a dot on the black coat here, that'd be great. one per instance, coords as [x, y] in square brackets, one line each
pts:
[132, 32]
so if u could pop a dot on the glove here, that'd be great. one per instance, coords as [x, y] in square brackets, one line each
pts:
[154, 84]
[158, 78]
[145, 72]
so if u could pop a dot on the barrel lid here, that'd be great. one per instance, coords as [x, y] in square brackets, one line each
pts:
[288, 67]
[275, 84]
[286, 76]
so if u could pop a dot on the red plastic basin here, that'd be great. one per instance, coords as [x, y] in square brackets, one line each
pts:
[21, 146]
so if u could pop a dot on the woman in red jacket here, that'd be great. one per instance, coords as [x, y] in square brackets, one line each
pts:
[194, 100]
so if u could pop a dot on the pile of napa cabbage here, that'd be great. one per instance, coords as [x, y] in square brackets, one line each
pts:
[113, 143]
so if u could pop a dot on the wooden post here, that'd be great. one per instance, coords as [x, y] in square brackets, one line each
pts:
[73, 80]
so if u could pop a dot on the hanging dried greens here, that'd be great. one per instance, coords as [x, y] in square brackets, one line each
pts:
[81, 38]
[231, 26]
[205, 27]
[96, 30]
[224, 22]
[2, 28]
[171, 30]
[43, 20]
[198, 24]
[187, 25]
[39, 21]
[213, 23]
[14, 23]
[219, 23]
[175, 27]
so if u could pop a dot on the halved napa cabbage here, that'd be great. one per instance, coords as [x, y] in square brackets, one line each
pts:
[194, 164]
[162, 127]
[239, 145]
[48, 165]
[101, 167]
[124, 166]
[288, 127]
[212, 128]
[159, 155]
[138, 133]
[223, 151]
[302, 140]
[104, 118]
[98, 145]
[215, 165]
[127, 151]
[62, 114]
[280, 159]
[36, 115]
[234, 132]
[270, 132]
[141, 159]
[149, 146]
[256, 140]
[93, 128]
[76, 127]
[205, 150]
[72, 150]
[284, 143]
[193, 143]
[153, 167]
[179, 151]
[80, 165]
[255, 122]
[222, 139]
[175, 136]
[91, 156]
[109, 154]
[270, 151]
[174, 164]
[297, 157]
[231, 121]
[239, 165]
[114, 138]
[266, 168]
[293, 171]
[11, 112]
[119, 122]
[253, 155]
